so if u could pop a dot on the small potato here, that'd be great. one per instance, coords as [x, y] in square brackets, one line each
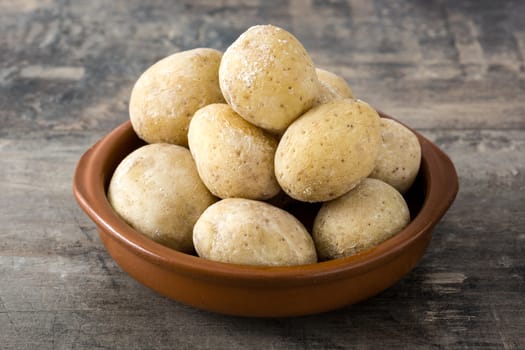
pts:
[234, 158]
[248, 232]
[400, 156]
[332, 87]
[167, 94]
[361, 219]
[156, 189]
[328, 150]
[268, 78]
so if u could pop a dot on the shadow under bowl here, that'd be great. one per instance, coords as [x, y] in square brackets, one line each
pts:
[263, 291]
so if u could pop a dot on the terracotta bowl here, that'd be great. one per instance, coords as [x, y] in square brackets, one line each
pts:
[262, 291]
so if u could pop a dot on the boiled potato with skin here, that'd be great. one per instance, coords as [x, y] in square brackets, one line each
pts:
[268, 78]
[361, 219]
[400, 156]
[249, 232]
[156, 189]
[167, 94]
[332, 87]
[234, 158]
[328, 150]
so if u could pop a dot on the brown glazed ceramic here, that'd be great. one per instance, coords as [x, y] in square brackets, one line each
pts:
[263, 291]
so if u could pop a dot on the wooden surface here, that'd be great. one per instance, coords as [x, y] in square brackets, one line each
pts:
[453, 70]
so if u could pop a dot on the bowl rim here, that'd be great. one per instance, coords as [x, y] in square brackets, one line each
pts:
[89, 190]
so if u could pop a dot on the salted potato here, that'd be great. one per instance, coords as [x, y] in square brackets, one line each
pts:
[167, 94]
[234, 158]
[328, 150]
[268, 78]
[248, 232]
[400, 156]
[332, 87]
[361, 219]
[156, 189]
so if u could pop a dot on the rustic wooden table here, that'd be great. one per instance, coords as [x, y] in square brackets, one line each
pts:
[453, 70]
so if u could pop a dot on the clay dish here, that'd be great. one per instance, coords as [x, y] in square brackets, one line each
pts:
[263, 291]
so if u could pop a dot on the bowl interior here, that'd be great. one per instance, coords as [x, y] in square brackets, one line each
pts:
[304, 212]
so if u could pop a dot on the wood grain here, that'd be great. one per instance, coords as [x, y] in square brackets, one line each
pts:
[453, 70]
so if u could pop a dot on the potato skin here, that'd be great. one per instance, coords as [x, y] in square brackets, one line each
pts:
[328, 150]
[234, 158]
[332, 87]
[361, 219]
[248, 232]
[167, 94]
[156, 189]
[267, 77]
[400, 156]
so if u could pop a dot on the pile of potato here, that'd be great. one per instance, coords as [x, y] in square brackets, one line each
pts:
[229, 134]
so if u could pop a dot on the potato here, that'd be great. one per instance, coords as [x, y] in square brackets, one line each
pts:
[332, 87]
[249, 232]
[167, 94]
[156, 189]
[328, 150]
[400, 156]
[234, 158]
[268, 78]
[361, 219]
